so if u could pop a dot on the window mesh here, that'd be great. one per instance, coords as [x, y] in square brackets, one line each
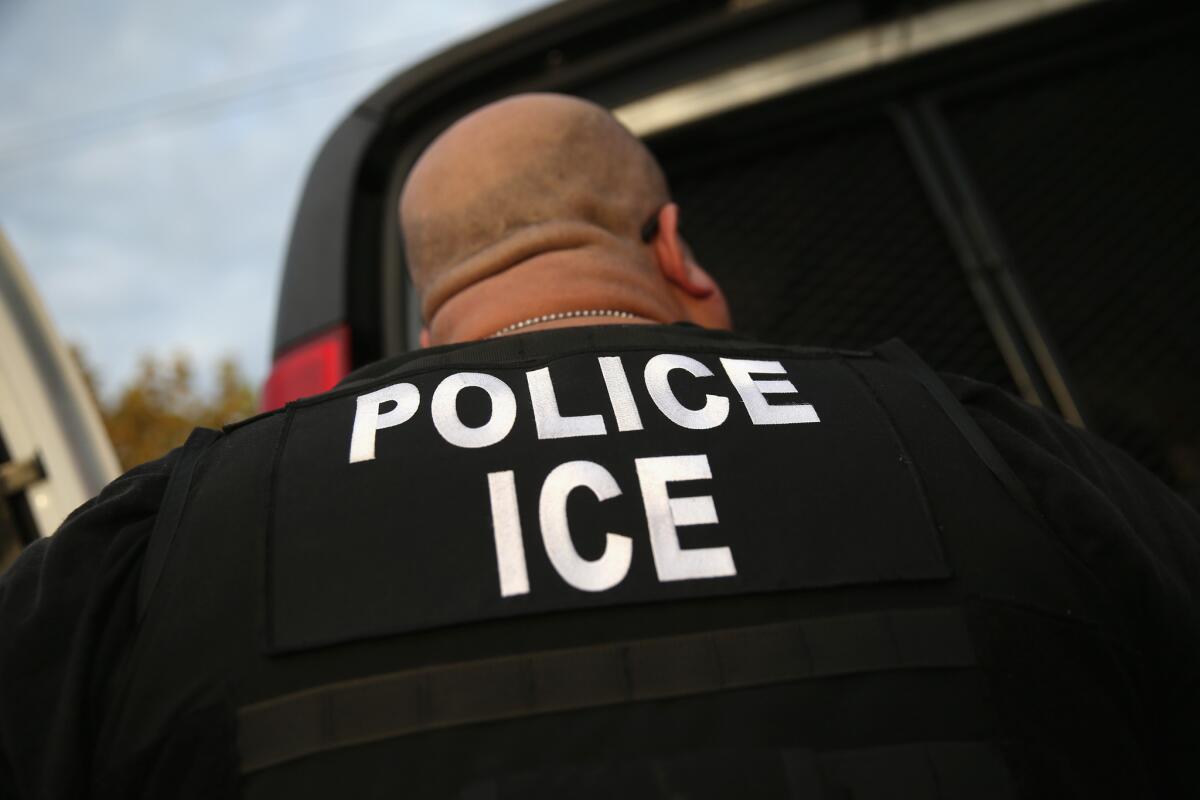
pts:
[826, 237]
[1093, 176]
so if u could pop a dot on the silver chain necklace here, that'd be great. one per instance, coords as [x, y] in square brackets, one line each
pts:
[557, 315]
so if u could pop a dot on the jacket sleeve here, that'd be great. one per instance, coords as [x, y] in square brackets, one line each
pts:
[1141, 538]
[67, 608]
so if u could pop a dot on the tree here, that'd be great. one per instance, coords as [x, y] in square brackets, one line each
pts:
[157, 410]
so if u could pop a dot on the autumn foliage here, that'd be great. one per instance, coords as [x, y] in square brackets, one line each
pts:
[161, 405]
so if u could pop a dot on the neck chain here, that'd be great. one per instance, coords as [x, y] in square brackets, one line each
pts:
[525, 323]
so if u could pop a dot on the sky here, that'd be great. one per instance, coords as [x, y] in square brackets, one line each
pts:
[152, 154]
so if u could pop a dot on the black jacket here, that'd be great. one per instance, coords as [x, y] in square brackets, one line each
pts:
[617, 561]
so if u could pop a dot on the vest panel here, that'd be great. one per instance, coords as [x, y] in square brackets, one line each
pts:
[587, 514]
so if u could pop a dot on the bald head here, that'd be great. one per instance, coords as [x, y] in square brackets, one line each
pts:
[519, 177]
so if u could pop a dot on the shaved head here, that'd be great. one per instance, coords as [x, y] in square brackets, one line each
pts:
[520, 176]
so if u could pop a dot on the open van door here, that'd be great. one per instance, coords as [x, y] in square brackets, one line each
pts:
[54, 452]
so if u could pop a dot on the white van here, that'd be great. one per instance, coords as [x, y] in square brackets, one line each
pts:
[54, 452]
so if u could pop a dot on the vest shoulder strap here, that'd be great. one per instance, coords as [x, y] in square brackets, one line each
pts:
[169, 513]
[896, 352]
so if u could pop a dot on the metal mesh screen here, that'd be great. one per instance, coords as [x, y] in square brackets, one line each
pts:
[1093, 176]
[827, 238]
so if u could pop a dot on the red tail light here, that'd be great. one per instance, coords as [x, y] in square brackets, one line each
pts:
[309, 368]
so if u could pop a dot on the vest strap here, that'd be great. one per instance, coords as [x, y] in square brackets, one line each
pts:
[402, 703]
[898, 353]
[169, 514]
[932, 770]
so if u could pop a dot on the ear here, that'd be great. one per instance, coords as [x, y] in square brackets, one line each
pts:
[424, 336]
[674, 260]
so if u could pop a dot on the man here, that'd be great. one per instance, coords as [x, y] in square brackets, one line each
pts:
[624, 558]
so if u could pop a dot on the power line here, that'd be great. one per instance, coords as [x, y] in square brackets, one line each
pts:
[199, 102]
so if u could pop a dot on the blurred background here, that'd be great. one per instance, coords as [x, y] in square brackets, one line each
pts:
[151, 160]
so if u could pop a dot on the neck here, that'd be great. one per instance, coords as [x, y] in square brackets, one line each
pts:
[544, 291]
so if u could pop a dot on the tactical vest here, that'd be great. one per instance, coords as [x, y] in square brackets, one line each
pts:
[619, 561]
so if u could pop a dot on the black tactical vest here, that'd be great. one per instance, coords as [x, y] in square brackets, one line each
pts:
[620, 561]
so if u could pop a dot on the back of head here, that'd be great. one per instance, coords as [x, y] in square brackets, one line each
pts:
[519, 177]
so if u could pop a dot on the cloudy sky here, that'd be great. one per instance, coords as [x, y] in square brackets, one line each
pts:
[151, 153]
